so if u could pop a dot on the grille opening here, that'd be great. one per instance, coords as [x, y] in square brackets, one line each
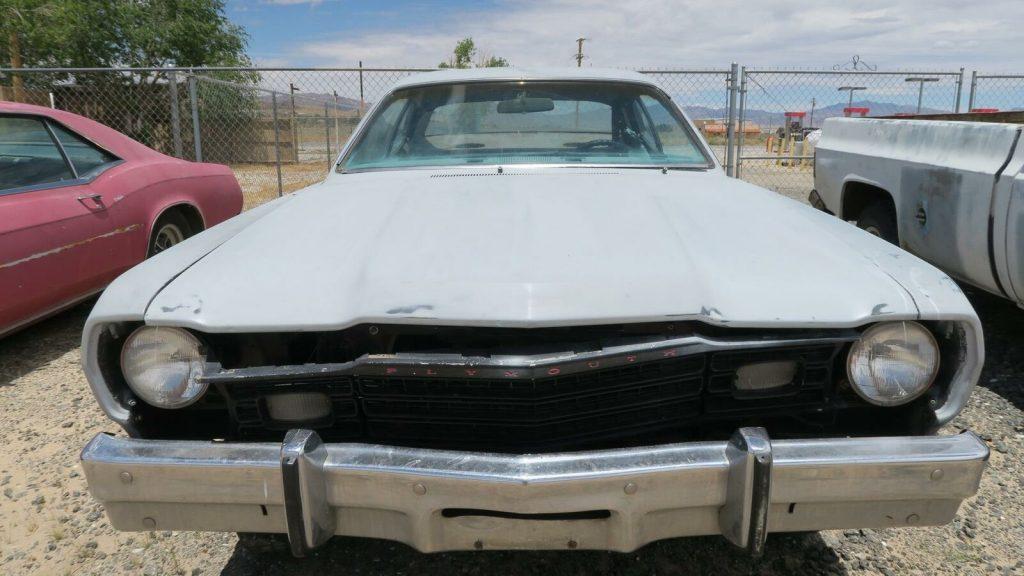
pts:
[546, 516]
[650, 400]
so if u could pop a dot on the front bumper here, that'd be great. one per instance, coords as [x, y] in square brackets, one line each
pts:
[613, 500]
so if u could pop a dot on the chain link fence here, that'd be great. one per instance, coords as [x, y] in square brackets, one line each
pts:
[779, 108]
[996, 93]
[280, 129]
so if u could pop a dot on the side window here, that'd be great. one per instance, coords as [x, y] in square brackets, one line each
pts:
[86, 158]
[28, 155]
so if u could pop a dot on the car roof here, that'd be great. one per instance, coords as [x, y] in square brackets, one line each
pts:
[103, 136]
[513, 73]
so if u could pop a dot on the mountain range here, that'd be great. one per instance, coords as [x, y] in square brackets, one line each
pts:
[775, 118]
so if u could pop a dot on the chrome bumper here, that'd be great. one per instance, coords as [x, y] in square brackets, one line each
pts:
[613, 500]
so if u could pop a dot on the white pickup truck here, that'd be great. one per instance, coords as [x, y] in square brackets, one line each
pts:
[951, 192]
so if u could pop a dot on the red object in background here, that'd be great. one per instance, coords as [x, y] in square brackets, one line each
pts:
[80, 203]
[860, 111]
[795, 114]
[984, 110]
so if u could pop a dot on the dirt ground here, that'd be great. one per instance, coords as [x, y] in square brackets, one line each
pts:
[50, 525]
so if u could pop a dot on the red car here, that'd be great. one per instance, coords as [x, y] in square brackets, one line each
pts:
[80, 203]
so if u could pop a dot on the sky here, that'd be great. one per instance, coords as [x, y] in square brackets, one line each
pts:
[892, 34]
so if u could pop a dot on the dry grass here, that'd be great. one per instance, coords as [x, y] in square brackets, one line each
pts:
[259, 181]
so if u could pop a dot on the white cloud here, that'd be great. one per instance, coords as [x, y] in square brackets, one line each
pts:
[701, 34]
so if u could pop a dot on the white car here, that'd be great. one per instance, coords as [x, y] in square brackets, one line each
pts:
[528, 310]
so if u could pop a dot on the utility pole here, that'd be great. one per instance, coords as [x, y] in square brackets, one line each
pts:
[579, 51]
[810, 124]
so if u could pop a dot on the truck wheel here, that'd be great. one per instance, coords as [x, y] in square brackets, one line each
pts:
[169, 230]
[879, 219]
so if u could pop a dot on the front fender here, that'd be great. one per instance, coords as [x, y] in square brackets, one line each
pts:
[127, 297]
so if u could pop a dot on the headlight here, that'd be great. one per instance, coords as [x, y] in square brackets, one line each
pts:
[893, 363]
[163, 366]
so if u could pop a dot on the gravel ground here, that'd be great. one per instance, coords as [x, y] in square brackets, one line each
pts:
[50, 525]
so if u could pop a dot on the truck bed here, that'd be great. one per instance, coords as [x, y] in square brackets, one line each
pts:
[955, 189]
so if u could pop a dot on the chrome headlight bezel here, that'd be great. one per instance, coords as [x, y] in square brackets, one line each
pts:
[171, 379]
[903, 394]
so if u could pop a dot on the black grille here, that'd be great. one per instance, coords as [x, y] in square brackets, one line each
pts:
[602, 406]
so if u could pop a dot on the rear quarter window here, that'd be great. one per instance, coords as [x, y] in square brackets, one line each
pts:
[87, 159]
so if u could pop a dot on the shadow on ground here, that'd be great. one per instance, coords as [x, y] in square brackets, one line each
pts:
[1003, 324]
[41, 343]
[785, 554]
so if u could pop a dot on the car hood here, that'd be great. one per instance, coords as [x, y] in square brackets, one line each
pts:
[539, 247]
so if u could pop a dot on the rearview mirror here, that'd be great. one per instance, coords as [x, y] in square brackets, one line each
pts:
[525, 105]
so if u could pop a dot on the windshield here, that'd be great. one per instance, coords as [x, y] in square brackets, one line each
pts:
[606, 123]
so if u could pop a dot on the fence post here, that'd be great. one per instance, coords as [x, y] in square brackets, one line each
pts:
[974, 90]
[730, 126]
[959, 91]
[295, 123]
[327, 139]
[360, 88]
[742, 120]
[193, 94]
[277, 144]
[172, 86]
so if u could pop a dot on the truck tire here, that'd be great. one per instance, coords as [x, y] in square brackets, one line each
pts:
[879, 219]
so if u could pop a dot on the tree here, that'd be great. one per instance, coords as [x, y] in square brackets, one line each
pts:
[118, 33]
[110, 33]
[462, 57]
[492, 62]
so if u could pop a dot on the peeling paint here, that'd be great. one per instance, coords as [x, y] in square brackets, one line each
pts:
[879, 310]
[67, 247]
[195, 305]
[710, 312]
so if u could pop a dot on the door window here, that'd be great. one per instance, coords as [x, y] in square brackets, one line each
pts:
[28, 155]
